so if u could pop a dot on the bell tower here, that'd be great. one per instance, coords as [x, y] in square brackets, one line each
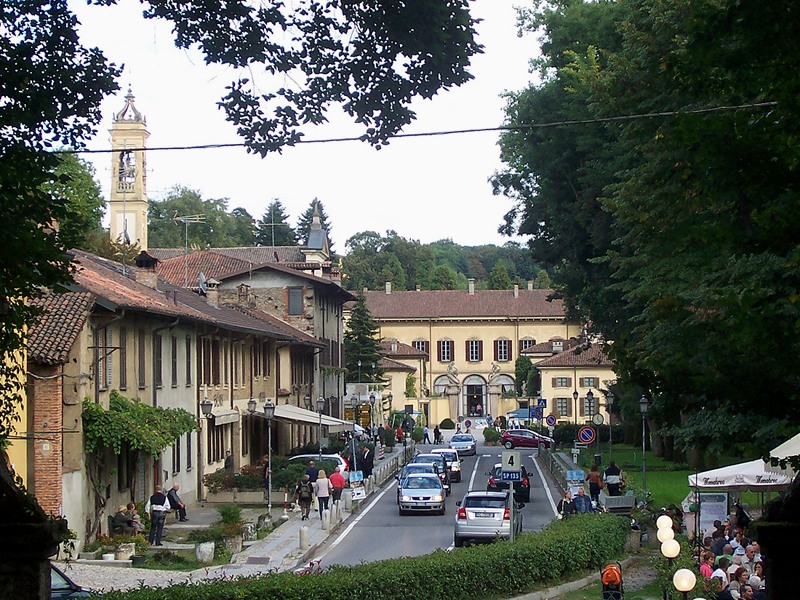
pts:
[128, 200]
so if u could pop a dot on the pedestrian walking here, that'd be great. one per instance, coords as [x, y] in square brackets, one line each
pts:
[437, 435]
[426, 435]
[158, 507]
[303, 493]
[322, 491]
[582, 502]
[595, 480]
[367, 462]
[338, 483]
[613, 477]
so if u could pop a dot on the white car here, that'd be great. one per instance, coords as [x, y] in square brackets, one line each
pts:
[464, 443]
[421, 493]
[453, 462]
[304, 458]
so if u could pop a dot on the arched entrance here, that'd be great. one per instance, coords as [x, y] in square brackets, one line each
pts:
[475, 396]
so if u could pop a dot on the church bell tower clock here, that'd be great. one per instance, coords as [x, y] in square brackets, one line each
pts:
[128, 199]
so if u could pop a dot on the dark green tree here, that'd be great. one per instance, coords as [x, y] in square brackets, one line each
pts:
[393, 271]
[498, 278]
[273, 228]
[74, 183]
[362, 345]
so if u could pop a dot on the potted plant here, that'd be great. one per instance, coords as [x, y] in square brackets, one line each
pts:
[232, 527]
[205, 541]
[127, 545]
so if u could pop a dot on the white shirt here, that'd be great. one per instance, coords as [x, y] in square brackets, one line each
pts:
[722, 575]
[157, 507]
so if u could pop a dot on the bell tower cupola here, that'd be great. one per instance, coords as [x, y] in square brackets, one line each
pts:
[128, 199]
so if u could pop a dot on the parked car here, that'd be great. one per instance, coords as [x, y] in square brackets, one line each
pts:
[304, 458]
[486, 516]
[453, 462]
[415, 469]
[441, 463]
[422, 493]
[522, 488]
[62, 586]
[524, 438]
[464, 443]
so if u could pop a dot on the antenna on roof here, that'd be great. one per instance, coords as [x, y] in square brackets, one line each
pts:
[186, 219]
[201, 283]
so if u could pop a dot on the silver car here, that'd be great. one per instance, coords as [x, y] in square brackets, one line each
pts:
[415, 469]
[487, 516]
[453, 462]
[422, 493]
[464, 443]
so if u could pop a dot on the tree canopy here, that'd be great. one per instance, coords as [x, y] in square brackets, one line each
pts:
[273, 228]
[671, 235]
[362, 347]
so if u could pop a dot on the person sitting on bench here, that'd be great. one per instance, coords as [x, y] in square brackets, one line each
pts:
[175, 502]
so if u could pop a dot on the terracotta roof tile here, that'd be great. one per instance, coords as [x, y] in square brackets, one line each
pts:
[183, 270]
[547, 347]
[62, 319]
[400, 350]
[461, 304]
[393, 365]
[592, 355]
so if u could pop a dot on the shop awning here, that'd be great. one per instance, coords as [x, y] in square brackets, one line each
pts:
[289, 412]
[223, 416]
[745, 476]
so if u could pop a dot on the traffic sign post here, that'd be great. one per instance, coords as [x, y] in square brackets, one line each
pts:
[511, 467]
[551, 421]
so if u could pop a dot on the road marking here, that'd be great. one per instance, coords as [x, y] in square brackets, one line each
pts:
[545, 486]
[475, 471]
[355, 522]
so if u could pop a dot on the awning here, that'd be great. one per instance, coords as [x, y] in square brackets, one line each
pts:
[790, 447]
[222, 416]
[745, 476]
[289, 412]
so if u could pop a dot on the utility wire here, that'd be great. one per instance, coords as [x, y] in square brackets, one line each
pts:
[525, 127]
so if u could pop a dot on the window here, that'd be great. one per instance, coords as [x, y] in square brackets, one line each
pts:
[588, 407]
[247, 425]
[142, 353]
[225, 362]
[295, 301]
[157, 360]
[236, 364]
[590, 382]
[176, 456]
[265, 367]
[526, 342]
[189, 451]
[188, 365]
[104, 349]
[123, 358]
[215, 360]
[421, 346]
[564, 406]
[474, 350]
[256, 354]
[502, 350]
[445, 350]
[174, 362]
[562, 381]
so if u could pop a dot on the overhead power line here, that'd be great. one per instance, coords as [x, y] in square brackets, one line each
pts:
[524, 127]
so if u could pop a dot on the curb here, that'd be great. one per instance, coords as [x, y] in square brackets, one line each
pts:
[571, 586]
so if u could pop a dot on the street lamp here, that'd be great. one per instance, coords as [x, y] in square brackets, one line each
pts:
[205, 407]
[359, 371]
[354, 403]
[609, 404]
[643, 404]
[684, 581]
[251, 406]
[575, 398]
[590, 402]
[269, 414]
[371, 415]
[320, 409]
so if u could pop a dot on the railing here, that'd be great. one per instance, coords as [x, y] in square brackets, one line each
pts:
[556, 464]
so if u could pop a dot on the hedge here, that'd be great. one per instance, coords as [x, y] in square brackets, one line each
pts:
[495, 570]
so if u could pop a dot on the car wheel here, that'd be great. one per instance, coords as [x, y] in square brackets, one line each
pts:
[527, 497]
[458, 542]
[443, 511]
[508, 445]
[401, 512]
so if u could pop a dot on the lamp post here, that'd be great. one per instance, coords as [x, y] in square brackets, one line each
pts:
[359, 371]
[575, 398]
[354, 403]
[643, 404]
[320, 409]
[269, 413]
[609, 404]
[372, 416]
[684, 581]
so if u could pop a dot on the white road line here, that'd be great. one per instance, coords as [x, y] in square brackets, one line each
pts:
[545, 486]
[475, 470]
[354, 523]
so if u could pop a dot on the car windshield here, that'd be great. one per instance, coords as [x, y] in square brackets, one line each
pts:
[483, 502]
[430, 458]
[461, 438]
[422, 483]
[418, 469]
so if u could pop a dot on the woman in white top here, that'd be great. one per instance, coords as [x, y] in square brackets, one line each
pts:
[322, 490]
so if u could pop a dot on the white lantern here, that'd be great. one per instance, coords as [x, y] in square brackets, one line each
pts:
[684, 580]
[664, 521]
[665, 534]
[670, 548]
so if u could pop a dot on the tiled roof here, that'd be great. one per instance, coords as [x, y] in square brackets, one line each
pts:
[251, 254]
[393, 365]
[461, 304]
[183, 270]
[279, 325]
[547, 347]
[62, 319]
[401, 350]
[330, 286]
[592, 355]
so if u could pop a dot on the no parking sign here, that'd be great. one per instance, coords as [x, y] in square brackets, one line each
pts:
[550, 420]
[586, 435]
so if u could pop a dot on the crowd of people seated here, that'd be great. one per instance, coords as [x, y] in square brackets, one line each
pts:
[732, 564]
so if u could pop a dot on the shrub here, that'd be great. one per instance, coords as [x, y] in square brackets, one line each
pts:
[249, 478]
[490, 434]
[230, 513]
[418, 434]
[218, 481]
[285, 477]
[447, 424]
[125, 538]
[565, 548]
[209, 534]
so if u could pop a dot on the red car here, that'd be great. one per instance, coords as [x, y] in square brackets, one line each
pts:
[524, 438]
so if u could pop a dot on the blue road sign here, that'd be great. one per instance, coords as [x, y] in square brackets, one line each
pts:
[550, 420]
[586, 435]
[542, 403]
[536, 413]
[511, 476]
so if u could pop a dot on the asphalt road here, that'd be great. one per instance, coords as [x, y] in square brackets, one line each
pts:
[377, 532]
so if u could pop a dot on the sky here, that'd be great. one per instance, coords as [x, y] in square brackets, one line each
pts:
[425, 189]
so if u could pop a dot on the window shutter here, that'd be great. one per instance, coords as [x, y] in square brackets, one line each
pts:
[109, 365]
[452, 345]
[480, 350]
[439, 350]
[569, 381]
[583, 407]
[496, 349]
[553, 382]
[509, 345]
[466, 350]
[520, 346]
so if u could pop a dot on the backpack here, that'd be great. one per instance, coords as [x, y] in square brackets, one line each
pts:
[304, 491]
[611, 575]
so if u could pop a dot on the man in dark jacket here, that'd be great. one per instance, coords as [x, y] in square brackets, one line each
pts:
[613, 477]
[158, 507]
[175, 502]
[367, 462]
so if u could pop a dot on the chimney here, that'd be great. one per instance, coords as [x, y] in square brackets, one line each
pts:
[516, 290]
[388, 286]
[530, 285]
[212, 292]
[471, 282]
[419, 287]
[146, 270]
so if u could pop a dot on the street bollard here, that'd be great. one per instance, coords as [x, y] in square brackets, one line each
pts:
[303, 537]
[336, 513]
[348, 500]
[326, 519]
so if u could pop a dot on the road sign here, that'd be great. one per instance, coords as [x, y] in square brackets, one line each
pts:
[550, 420]
[536, 413]
[542, 403]
[511, 476]
[467, 423]
[586, 435]
[511, 467]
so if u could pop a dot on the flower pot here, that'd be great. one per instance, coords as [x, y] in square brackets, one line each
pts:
[204, 552]
[137, 561]
[124, 551]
